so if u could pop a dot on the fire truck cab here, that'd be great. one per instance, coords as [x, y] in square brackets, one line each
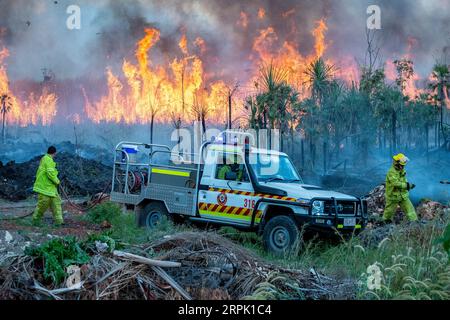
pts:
[230, 184]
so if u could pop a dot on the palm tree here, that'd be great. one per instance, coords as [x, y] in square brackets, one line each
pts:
[441, 77]
[270, 77]
[320, 77]
[273, 102]
[6, 105]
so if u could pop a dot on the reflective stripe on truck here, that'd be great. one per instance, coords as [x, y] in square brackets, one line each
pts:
[171, 172]
[228, 211]
[252, 194]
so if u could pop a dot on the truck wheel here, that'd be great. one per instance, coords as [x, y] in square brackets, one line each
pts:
[154, 213]
[280, 234]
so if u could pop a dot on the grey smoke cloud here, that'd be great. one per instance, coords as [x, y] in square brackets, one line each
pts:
[37, 37]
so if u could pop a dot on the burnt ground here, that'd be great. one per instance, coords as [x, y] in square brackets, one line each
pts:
[79, 176]
[15, 217]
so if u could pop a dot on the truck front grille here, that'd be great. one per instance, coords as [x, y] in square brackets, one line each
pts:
[343, 207]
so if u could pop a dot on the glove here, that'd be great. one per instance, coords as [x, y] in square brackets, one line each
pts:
[410, 186]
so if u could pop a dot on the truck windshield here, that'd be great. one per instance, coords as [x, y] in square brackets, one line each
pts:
[274, 168]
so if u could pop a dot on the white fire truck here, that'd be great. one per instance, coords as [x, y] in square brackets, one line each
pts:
[230, 184]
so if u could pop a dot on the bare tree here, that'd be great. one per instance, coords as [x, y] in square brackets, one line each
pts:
[200, 109]
[176, 121]
[231, 92]
[440, 84]
[372, 55]
[154, 104]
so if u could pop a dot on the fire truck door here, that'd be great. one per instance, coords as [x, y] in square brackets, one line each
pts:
[228, 200]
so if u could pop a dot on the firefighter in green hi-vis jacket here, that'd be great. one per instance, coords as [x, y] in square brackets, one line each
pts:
[231, 165]
[46, 186]
[397, 190]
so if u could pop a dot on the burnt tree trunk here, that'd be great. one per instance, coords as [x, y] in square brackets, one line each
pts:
[152, 122]
[3, 127]
[394, 131]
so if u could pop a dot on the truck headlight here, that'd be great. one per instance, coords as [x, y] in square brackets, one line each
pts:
[318, 207]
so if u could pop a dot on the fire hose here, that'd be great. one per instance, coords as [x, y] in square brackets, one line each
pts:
[93, 203]
[64, 194]
[17, 217]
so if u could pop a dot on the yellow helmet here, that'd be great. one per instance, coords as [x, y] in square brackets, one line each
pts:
[401, 158]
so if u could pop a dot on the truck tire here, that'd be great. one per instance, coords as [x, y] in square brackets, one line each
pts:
[280, 234]
[154, 212]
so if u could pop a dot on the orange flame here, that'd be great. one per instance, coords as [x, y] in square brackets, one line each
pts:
[261, 13]
[319, 35]
[157, 91]
[37, 109]
[410, 89]
[243, 20]
[288, 58]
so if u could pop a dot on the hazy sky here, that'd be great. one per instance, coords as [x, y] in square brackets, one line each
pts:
[36, 35]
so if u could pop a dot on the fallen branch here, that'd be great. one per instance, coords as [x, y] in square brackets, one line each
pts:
[140, 259]
[160, 272]
[54, 293]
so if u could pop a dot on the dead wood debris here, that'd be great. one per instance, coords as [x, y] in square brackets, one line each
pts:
[183, 266]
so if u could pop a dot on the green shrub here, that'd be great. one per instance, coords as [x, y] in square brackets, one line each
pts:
[125, 229]
[107, 211]
[445, 240]
[56, 255]
[90, 243]
[247, 239]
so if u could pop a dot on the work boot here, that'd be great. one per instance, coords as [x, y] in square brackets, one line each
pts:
[37, 223]
[58, 224]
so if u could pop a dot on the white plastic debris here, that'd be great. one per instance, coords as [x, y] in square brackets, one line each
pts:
[8, 237]
[101, 246]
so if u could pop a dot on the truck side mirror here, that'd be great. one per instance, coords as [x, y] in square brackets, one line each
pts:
[231, 176]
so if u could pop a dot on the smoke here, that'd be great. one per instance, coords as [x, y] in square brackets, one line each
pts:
[35, 31]
[36, 36]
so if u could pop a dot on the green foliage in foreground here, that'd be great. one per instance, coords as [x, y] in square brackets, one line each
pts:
[124, 227]
[445, 240]
[57, 255]
[411, 263]
[107, 211]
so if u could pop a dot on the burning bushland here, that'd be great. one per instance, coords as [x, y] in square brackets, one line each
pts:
[331, 111]
[344, 102]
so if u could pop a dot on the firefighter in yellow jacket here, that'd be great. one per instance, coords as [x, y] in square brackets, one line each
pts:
[397, 190]
[46, 186]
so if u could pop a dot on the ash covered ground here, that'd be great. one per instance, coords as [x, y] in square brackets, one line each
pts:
[80, 176]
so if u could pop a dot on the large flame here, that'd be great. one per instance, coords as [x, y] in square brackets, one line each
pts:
[287, 57]
[36, 109]
[160, 92]
[180, 89]
[410, 90]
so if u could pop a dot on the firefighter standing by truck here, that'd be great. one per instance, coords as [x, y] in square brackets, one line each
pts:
[397, 190]
[46, 186]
